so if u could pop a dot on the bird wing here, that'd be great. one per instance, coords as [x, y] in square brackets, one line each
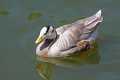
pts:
[79, 30]
[62, 29]
[83, 28]
[89, 23]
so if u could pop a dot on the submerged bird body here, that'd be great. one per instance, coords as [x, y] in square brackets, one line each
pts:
[63, 40]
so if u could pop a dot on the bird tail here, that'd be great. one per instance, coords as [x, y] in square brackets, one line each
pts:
[91, 22]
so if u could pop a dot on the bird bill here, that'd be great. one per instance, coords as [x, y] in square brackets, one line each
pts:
[39, 39]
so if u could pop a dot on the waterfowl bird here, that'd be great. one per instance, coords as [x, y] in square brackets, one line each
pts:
[68, 39]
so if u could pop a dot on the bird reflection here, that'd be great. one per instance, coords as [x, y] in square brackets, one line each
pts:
[46, 66]
[45, 70]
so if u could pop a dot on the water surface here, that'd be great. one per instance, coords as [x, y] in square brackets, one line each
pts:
[20, 22]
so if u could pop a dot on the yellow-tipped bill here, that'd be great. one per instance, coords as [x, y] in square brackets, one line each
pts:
[39, 39]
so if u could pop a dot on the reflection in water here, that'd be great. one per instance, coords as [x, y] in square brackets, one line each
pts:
[45, 70]
[45, 66]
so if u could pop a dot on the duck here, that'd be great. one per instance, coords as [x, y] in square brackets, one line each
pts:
[68, 39]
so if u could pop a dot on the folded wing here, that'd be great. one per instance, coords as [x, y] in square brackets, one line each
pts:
[79, 30]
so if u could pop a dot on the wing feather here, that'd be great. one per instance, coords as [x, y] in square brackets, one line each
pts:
[62, 29]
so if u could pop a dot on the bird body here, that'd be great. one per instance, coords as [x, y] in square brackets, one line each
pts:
[63, 41]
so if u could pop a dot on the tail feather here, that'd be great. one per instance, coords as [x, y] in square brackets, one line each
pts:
[92, 21]
[99, 13]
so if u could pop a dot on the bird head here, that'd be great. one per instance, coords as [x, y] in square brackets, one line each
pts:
[47, 32]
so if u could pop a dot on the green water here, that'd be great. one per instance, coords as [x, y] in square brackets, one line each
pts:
[20, 22]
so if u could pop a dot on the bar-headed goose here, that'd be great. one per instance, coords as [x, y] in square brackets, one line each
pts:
[67, 39]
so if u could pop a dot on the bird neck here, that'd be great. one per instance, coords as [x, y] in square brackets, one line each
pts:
[54, 40]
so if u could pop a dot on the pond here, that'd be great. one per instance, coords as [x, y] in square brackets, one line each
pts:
[20, 23]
